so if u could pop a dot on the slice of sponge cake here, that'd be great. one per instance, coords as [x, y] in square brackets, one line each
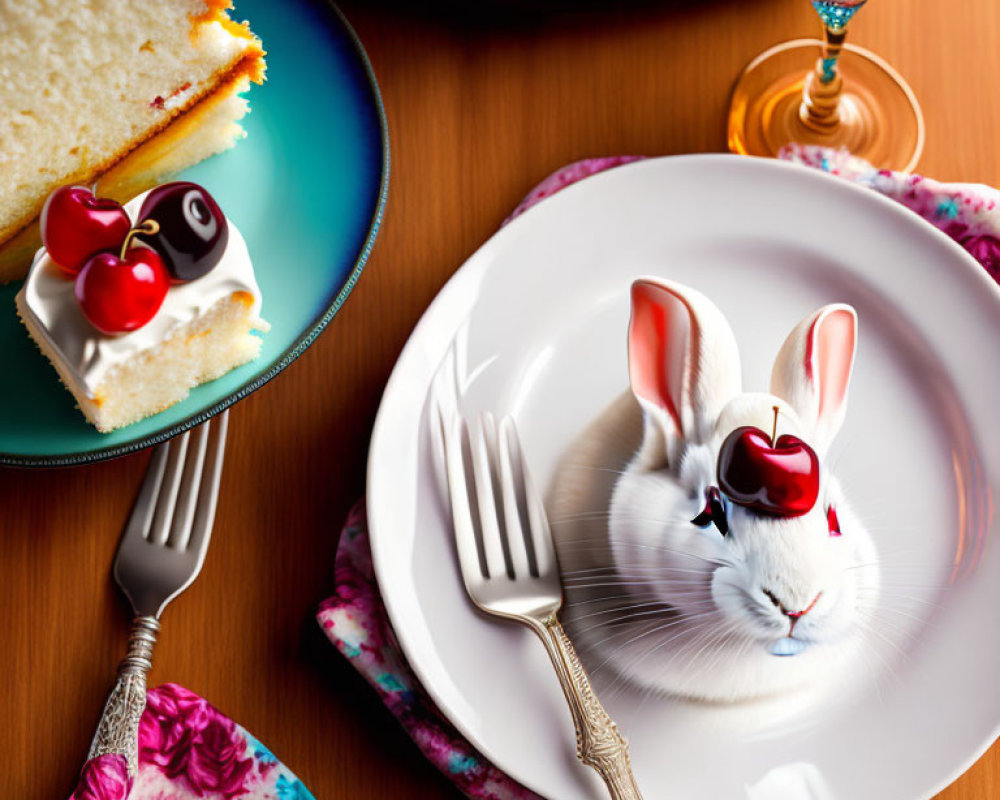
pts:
[118, 93]
[204, 328]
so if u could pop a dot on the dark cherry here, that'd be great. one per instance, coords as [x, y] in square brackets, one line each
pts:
[778, 478]
[193, 230]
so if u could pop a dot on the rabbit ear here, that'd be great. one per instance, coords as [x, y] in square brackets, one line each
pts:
[812, 372]
[684, 365]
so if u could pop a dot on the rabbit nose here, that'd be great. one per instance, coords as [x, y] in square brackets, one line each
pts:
[794, 616]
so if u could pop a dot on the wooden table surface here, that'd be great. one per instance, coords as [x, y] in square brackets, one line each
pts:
[479, 110]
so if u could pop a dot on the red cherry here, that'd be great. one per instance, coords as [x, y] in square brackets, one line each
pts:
[76, 225]
[119, 296]
[778, 478]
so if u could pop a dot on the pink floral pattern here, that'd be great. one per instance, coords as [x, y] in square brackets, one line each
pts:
[188, 739]
[967, 212]
[188, 749]
[354, 618]
[103, 778]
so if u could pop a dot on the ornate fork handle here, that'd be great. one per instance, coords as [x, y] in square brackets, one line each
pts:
[599, 743]
[118, 730]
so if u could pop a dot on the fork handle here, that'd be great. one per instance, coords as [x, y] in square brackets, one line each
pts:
[599, 743]
[118, 730]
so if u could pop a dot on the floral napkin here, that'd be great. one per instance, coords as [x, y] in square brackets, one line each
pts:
[968, 212]
[355, 619]
[189, 750]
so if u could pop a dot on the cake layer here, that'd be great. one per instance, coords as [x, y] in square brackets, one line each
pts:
[200, 350]
[207, 128]
[84, 84]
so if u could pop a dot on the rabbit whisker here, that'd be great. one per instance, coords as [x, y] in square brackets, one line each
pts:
[635, 661]
[887, 668]
[591, 468]
[581, 586]
[607, 598]
[901, 613]
[687, 618]
[608, 548]
[706, 640]
[587, 516]
[892, 584]
[906, 598]
[642, 568]
[628, 607]
[663, 612]
[873, 629]
[706, 633]
[689, 599]
[875, 670]
[574, 577]
[713, 643]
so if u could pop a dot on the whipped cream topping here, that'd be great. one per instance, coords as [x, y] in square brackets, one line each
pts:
[89, 355]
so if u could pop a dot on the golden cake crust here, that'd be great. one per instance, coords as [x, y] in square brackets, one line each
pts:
[134, 171]
[178, 114]
[251, 65]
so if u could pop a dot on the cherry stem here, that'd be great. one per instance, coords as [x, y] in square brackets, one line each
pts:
[149, 226]
[774, 430]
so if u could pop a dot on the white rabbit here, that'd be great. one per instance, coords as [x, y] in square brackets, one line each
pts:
[699, 595]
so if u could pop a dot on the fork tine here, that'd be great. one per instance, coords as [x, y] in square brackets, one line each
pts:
[187, 491]
[208, 489]
[167, 497]
[145, 504]
[546, 561]
[516, 542]
[458, 490]
[489, 521]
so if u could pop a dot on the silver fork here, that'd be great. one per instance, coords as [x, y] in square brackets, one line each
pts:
[160, 554]
[510, 570]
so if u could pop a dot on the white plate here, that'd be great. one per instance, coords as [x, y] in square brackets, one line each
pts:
[536, 320]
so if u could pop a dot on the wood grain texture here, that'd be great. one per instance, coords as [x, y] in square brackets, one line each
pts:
[480, 108]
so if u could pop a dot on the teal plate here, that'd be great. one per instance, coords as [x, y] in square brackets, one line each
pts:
[307, 188]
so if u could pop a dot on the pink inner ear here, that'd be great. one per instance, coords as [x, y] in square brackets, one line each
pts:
[829, 357]
[658, 340]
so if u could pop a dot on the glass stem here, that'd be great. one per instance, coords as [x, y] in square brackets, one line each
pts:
[832, 45]
[821, 93]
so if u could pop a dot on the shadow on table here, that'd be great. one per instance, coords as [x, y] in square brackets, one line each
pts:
[355, 700]
[522, 14]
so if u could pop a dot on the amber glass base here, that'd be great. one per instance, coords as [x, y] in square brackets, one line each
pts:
[879, 117]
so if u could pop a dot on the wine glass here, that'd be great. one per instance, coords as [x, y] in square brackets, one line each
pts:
[850, 98]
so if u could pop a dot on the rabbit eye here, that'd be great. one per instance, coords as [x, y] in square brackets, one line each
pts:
[833, 523]
[713, 512]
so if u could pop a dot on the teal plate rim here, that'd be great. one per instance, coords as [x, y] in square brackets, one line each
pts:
[299, 346]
